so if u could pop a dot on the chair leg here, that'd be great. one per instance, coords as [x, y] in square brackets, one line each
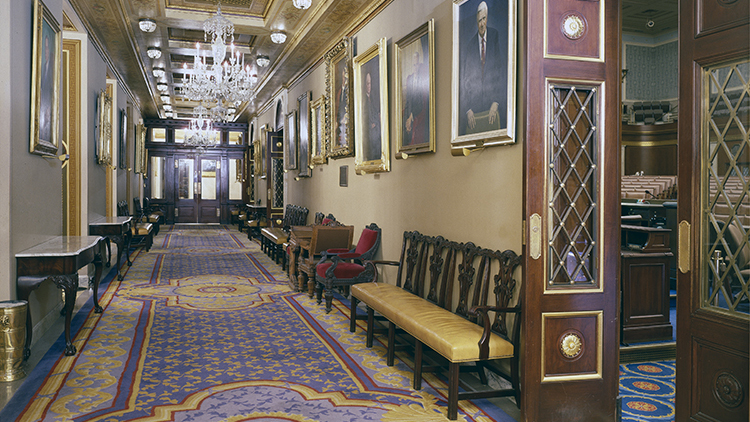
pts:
[453, 371]
[514, 379]
[353, 315]
[329, 298]
[319, 292]
[417, 382]
[480, 372]
[370, 326]
[391, 352]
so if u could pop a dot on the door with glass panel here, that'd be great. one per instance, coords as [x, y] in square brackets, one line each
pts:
[197, 189]
[713, 309]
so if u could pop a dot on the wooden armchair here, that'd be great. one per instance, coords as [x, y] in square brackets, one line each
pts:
[141, 232]
[142, 216]
[344, 267]
[323, 238]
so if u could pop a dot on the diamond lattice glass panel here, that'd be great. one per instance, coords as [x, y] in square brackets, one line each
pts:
[725, 257]
[278, 182]
[572, 186]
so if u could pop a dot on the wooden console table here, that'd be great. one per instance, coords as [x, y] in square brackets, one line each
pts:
[299, 243]
[115, 229]
[59, 260]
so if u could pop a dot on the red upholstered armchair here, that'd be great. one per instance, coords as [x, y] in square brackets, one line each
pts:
[342, 267]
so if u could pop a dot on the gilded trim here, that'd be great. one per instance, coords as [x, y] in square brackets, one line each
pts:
[72, 104]
[599, 195]
[378, 52]
[649, 143]
[535, 236]
[599, 59]
[599, 346]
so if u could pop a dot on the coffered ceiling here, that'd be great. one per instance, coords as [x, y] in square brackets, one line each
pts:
[113, 27]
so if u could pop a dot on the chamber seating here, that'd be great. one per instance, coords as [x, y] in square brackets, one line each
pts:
[142, 232]
[273, 238]
[648, 187]
[433, 275]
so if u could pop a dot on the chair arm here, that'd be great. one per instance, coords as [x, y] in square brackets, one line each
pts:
[484, 342]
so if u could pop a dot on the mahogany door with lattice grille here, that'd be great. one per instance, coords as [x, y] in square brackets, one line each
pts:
[713, 309]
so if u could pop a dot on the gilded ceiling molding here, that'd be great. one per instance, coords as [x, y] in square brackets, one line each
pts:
[354, 26]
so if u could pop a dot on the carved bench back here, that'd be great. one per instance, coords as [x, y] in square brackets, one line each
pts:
[458, 276]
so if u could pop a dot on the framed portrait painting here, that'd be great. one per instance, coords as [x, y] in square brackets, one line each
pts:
[318, 139]
[123, 139]
[45, 82]
[303, 105]
[484, 74]
[415, 91]
[371, 113]
[339, 95]
[290, 149]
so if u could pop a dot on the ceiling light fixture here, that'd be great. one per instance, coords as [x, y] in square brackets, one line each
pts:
[165, 98]
[262, 60]
[168, 113]
[154, 52]
[167, 107]
[199, 133]
[161, 86]
[158, 72]
[278, 37]
[224, 82]
[302, 4]
[147, 25]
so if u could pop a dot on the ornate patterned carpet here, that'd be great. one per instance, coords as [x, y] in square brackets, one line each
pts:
[647, 391]
[204, 328]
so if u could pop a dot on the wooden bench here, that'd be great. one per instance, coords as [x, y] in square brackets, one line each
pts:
[433, 274]
[273, 238]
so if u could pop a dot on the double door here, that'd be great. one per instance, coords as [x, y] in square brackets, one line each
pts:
[197, 189]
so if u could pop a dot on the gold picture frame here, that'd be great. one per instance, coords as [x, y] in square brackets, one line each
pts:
[371, 114]
[140, 150]
[45, 83]
[260, 152]
[303, 106]
[103, 146]
[339, 110]
[484, 75]
[291, 142]
[415, 91]
[318, 140]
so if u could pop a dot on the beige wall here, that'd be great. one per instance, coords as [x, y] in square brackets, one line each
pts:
[476, 198]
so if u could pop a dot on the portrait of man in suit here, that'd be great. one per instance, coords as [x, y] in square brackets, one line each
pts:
[416, 95]
[483, 66]
[371, 111]
[340, 103]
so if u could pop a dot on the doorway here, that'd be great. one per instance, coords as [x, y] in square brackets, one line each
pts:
[197, 187]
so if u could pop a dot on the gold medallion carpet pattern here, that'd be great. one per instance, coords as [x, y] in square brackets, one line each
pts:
[204, 328]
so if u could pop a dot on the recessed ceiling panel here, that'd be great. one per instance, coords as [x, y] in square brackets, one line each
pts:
[249, 8]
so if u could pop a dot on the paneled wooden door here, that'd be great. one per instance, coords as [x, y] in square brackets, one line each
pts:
[713, 196]
[572, 225]
[197, 189]
[275, 180]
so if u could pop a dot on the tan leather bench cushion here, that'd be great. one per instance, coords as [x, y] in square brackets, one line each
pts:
[275, 234]
[255, 223]
[153, 218]
[142, 229]
[452, 336]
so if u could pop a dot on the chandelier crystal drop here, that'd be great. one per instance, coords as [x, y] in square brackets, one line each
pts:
[147, 25]
[302, 4]
[278, 37]
[221, 32]
[154, 52]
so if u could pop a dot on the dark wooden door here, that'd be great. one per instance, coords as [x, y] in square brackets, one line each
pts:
[571, 60]
[197, 189]
[713, 193]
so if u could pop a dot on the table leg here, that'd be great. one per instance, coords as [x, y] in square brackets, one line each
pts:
[120, 242]
[69, 284]
[97, 277]
[129, 238]
[109, 251]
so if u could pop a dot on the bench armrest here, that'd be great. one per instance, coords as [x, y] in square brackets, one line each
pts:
[396, 263]
[484, 342]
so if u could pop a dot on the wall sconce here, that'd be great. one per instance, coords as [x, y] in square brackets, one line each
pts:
[477, 147]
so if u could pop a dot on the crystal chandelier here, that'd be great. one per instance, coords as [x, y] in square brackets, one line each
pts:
[302, 4]
[225, 83]
[200, 133]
